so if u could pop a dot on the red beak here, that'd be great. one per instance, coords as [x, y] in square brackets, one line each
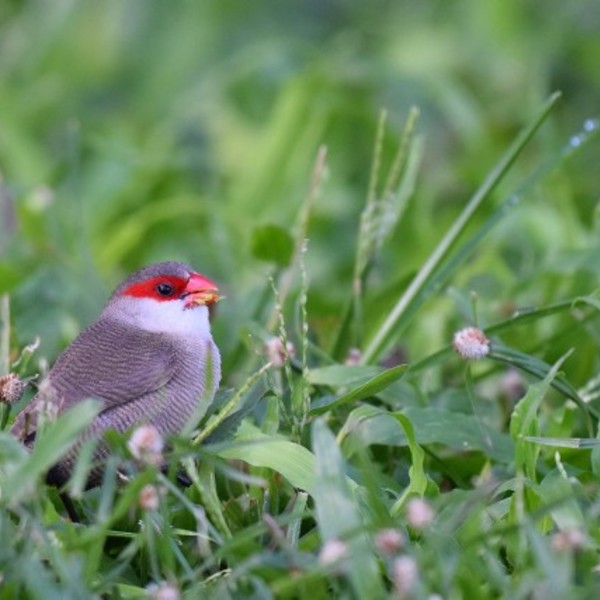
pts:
[200, 291]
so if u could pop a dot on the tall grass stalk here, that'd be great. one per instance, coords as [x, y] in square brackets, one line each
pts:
[393, 323]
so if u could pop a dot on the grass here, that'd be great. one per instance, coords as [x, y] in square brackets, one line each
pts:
[277, 149]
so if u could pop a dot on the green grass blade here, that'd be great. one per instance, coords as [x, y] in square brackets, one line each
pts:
[416, 474]
[382, 337]
[49, 448]
[371, 388]
[338, 514]
[523, 422]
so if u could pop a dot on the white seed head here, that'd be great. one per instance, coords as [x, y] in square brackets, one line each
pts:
[570, 539]
[419, 513]
[512, 384]
[149, 498]
[389, 541]
[146, 445]
[471, 343]
[277, 353]
[332, 552]
[163, 591]
[353, 357]
[404, 575]
[11, 388]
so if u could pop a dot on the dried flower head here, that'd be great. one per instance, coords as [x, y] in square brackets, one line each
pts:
[569, 539]
[277, 353]
[11, 388]
[419, 513]
[389, 541]
[164, 590]
[471, 343]
[353, 357]
[149, 498]
[332, 552]
[146, 445]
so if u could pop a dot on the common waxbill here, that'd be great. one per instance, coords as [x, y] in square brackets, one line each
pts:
[149, 358]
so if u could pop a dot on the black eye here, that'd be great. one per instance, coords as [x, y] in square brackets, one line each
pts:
[165, 289]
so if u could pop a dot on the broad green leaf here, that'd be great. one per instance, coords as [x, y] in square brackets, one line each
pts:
[372, 387]
[294, 462]
[369, 425]
[338, 515]
[558, 493]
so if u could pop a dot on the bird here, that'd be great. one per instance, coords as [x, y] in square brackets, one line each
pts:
[149, 358]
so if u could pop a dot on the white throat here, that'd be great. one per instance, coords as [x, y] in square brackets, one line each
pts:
[160, 317]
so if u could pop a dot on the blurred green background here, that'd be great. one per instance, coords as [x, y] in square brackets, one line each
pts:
[142, 130]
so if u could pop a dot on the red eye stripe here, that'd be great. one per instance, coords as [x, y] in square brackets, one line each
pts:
[147, 288]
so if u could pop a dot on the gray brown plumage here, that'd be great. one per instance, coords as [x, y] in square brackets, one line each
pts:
[149, 358]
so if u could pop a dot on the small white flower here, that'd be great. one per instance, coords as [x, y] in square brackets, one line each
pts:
[389, 541]
[276, 352]
[570, 539]
[146, 445]
[163, 591]
[404, 575]
[419, 513]
[353, 357]
[471, 343]
[332, 552]
[149, 498]
[512, 384]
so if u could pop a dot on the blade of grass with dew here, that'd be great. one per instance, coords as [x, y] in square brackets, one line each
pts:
[395, 320]
[338, 515]
[450, 266]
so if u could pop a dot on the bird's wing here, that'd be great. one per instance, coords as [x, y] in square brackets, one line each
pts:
[109, 361]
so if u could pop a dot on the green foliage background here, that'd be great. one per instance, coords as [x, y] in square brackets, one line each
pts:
[140, 130]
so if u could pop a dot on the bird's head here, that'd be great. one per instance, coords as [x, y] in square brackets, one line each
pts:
[166, 297]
